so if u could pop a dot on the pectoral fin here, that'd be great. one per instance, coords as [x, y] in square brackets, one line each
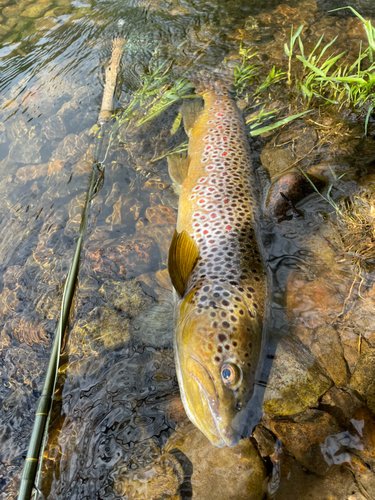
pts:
[190, 111]
[178, 166]
[182, 258]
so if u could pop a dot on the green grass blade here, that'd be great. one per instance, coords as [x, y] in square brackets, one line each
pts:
[313, 68]
[279, 123]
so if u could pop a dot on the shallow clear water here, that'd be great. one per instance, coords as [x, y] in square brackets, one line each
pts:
[117, 406]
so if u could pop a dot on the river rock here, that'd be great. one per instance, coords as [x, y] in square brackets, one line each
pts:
[363, 423]
[55, 166]
[329, 352]
[265, 440]
[162, 478]
[12, 10]
[161, 215]
[304, 435]
[163, 279]
[4, 29]
[363, 378]
[296, 381]
[361, 319]
[342, 403]
[276, 160]
[125, 257]
[154, 327]
[44, 23]
[26, 150]
[312, 303]
[72, 148]
[295, 187]
[220, 473]
[36, 10]
[162, 234]
[291, 481]
[53, 127]
[175, 410]
[25, 174]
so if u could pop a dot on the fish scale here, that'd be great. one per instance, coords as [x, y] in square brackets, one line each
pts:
[219, 318]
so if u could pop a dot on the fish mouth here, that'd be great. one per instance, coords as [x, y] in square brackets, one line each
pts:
[219, 435]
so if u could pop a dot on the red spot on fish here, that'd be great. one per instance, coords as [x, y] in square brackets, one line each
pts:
[197, 214]
[226, 200]
[192, 196]
[202, 179]
[228, 227]
[224, 138]
[213, 215]
[206, 138]
[201, 201]
[205, 231]
[211, 189]
[224, 174]
[211, 241]
[197, 225]
[210, 167]
[224, 153]
[219, 127]
[208, 148]
[197, 188]
[217, 102]
[219, 115]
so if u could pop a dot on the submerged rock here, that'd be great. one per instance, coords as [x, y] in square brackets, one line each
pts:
[328, 350]
[363, 378]
[290, 481]
[162, 234]
[25, 174]
[220, 473]
[296, 381]
[125, 257]
[312, 303]
[161, 215]
[25, 150]
[160, 479]
[292, 185]
[304, 435]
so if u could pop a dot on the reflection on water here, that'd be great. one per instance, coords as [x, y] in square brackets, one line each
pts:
[118, 427]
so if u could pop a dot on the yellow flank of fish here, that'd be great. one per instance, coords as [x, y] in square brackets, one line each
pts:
[219, 311]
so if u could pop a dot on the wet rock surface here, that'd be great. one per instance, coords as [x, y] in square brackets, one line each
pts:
[222, 473]
[296, 381]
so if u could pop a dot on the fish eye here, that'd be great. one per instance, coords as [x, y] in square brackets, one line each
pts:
[230, 374]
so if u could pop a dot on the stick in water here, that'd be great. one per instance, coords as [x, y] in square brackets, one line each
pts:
[110, 81]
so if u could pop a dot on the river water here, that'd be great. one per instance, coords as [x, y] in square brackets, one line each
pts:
[118, 428]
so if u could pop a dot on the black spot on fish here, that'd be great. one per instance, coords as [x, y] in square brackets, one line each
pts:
[222, 337]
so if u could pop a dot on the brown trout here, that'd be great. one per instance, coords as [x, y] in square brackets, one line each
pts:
[217, 271]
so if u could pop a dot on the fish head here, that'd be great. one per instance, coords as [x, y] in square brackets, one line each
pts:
[217, 355]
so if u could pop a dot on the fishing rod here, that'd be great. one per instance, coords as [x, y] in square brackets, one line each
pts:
[38, 438]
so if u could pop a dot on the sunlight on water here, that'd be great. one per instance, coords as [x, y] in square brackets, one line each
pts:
[118, 426]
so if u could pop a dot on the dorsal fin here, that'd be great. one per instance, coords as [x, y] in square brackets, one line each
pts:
[182, 257]
[190, 111]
